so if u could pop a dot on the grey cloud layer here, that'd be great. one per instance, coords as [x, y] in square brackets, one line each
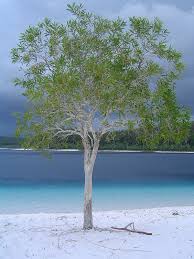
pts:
[16, 15]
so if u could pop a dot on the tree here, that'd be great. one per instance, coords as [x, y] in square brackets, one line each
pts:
[91, 76]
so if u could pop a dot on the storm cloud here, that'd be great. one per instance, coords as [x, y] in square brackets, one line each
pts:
[17, 15]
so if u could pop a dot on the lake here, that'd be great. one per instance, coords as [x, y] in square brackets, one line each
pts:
[30, 182]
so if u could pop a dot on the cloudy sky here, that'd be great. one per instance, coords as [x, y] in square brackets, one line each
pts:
[17, 15]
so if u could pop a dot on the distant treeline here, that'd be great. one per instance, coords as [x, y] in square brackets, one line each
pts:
[11, 142]
[122, 140]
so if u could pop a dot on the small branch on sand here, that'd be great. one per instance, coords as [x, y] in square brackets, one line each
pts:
[132, 229]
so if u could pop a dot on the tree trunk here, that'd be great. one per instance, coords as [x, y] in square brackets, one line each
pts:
[88, 219]
[89, 160]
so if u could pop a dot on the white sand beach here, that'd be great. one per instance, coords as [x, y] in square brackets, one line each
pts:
[101, 151]
[44, 236]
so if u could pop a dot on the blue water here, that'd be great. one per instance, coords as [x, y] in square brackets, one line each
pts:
[31, 183]
[68, 197]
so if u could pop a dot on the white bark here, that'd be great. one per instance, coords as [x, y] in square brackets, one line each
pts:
[89, 161]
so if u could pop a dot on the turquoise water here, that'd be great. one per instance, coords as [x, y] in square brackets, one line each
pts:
[68, 196]
[31, 183]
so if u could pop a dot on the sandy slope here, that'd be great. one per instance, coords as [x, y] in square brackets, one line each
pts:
[60, 236]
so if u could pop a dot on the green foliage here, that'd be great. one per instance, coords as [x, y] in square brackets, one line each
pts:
[191, 138]
[114, 67]
[118, 140]
[164, 121]
[124, 140]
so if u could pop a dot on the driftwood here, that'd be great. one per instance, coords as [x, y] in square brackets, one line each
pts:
[132, 229]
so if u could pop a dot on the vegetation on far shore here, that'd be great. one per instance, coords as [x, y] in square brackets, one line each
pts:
[120, 140]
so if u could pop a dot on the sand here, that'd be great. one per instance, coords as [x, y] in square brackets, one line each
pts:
[44, 236]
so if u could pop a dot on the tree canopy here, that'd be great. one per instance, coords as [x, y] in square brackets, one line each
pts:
[93, 75]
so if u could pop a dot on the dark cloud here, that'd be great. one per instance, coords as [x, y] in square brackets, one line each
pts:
[16, 15]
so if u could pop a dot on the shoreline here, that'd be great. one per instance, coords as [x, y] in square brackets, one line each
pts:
[100, 151]
[61, 235]
[95, 212]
